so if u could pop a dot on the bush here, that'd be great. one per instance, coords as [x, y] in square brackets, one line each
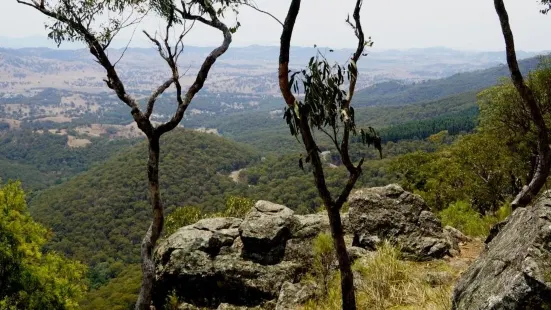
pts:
[385, 280]
[238, 206]
[462, 216]
[181, 217]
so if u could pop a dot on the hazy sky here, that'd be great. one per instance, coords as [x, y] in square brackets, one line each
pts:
[460, 24]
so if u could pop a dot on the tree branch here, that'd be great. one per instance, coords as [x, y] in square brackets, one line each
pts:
[351, 90]
[160, 90]
[254, 7]
[544, 152]
[285, 46]
[205, 67]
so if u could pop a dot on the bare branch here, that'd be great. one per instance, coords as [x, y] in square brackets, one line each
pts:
[205, 67]
[285, 46]
[543, 150]
[159, 91]
[256, 8]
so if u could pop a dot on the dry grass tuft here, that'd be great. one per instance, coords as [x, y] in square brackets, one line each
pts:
[386, 282]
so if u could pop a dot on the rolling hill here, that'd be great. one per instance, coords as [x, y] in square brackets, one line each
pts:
[400, 93]
[102, 214]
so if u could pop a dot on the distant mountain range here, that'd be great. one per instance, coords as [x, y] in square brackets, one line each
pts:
[249, 70]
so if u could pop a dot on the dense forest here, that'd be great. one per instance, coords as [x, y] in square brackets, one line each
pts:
[91, 182]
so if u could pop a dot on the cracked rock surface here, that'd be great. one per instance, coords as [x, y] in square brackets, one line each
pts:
[514, 270]
[390, 213]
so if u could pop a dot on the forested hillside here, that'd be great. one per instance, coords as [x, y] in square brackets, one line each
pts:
[101, 215]
[43, 159]
[400, 93]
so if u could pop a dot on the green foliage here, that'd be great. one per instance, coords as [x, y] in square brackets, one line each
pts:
[476, 168]
[455, 123]
[31, 278]
[42, 160]
[325, 103]
[181, 217]
[462, 216]
[101, 215]
[119, 294]
[324, 257]
[238, 206]
[278, 179]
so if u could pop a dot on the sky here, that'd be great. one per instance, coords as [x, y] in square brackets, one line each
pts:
[392, 24]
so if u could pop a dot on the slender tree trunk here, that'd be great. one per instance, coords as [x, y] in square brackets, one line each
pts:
[543, 158]
[333, 212]
[155, 229]
[345, 266]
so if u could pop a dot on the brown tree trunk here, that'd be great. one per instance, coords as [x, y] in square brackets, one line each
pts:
[345, 266]
[333, 212]
[543, 158]
[155, 229]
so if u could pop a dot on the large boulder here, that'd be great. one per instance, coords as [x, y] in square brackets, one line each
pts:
[400, 217]
[243, 263]
[265, 231]
[514, 270]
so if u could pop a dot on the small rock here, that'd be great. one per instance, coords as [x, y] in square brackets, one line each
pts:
[437, 278]
[294, 294]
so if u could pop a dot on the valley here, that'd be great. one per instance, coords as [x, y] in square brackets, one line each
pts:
[81, 158]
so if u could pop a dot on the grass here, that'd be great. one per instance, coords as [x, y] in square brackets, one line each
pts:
[386, 282]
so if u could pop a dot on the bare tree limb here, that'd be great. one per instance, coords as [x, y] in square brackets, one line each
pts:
[256, 8]
[529, 192]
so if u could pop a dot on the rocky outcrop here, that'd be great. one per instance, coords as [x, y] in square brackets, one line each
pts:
[259, 261]
[514, 271]
[237, 262]
[393, 214]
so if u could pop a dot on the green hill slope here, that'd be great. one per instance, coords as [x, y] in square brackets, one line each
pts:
[40, 160]
[102, 214]
[398, 93]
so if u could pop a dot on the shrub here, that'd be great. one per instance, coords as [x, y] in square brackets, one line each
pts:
[385, 282]
[385, 279]
[238, 206]
[462, 216]
[324, 257]
[181, 217]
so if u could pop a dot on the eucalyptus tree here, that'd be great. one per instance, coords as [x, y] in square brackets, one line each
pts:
[326, 107]
[542, 150]
[97, 23]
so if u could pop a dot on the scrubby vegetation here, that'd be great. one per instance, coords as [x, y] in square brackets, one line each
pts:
[384, 281]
